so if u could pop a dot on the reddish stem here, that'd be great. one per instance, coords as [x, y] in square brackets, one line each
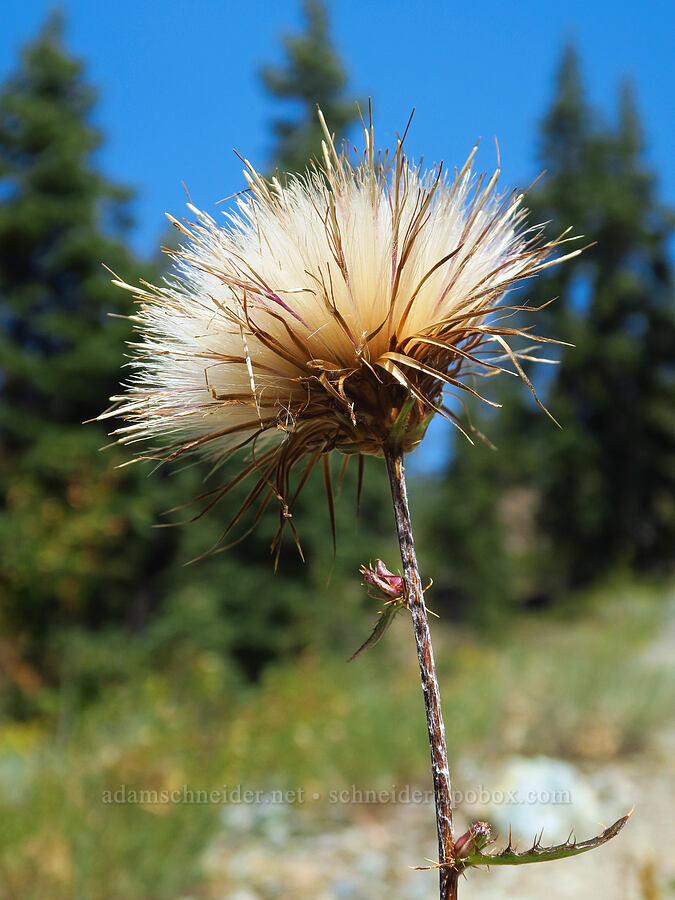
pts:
[432, 697]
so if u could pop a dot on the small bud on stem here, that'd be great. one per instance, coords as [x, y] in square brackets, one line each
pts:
[473, 840]
[389, 586]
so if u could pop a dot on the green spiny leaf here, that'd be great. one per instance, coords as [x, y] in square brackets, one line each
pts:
[537, 853]
[386, 618]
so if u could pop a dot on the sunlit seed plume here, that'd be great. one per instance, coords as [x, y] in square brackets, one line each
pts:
[334, 310]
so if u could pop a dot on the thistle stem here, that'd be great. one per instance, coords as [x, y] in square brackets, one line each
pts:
[425, 655]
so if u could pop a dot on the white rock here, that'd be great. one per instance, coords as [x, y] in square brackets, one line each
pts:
[534, 793]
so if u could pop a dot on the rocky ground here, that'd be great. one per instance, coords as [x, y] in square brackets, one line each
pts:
[366, 851]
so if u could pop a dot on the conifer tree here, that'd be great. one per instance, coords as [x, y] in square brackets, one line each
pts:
[58, 220]
[607, 478]
[313, 75]
[563, 507]
[70, 521]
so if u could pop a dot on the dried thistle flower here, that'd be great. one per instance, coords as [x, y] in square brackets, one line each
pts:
[332, 311]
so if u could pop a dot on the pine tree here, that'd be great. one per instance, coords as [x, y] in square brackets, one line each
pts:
[562, 507]
[58, 220]
[70, 525]
[312, 75]
[607, 478]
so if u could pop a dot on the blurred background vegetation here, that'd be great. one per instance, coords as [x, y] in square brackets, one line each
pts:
[119, 663]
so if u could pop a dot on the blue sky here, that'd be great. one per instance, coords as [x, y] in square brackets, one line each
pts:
[179, 88]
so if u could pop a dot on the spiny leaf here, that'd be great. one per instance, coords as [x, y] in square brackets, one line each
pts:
[384, 621]
[537, 853]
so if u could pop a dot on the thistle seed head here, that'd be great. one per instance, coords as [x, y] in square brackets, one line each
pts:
[332, 310]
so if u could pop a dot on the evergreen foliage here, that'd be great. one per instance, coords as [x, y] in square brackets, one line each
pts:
[82, 565]
[70, 524]
[313, 75]
[608, 479]
[59, 218]
[566, 506]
